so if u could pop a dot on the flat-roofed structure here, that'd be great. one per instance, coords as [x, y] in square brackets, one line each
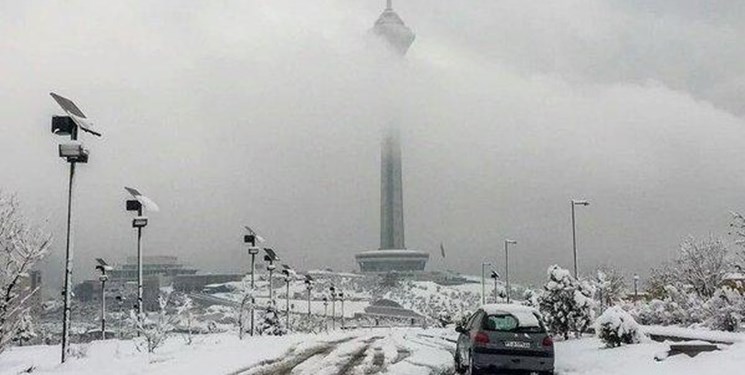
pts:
[155, 265]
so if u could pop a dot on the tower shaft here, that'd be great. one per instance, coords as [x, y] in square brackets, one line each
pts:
[391, 192]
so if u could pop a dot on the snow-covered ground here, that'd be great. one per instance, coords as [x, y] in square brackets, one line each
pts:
[395, 351]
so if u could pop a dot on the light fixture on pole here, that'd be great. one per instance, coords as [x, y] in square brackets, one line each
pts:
[494, 275]
[636, 287]
[576, 202]
[103, 267]
[73, 152]
[483, 281]
[332, 289]
[288, 272]
[139, 204]
[270, 258]
[251, 238]
[325, 313]
[341, 300]
[508, 289]
[309, 287]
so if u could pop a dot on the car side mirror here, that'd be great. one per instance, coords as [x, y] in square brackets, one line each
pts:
[459, 328]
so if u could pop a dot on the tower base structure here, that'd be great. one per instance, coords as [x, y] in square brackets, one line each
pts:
[385, 261]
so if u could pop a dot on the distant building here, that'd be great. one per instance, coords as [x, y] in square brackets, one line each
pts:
[30, 292]
[387, 310]
[156, 265]
[196, 283]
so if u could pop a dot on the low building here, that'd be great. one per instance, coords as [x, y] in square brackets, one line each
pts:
[387, 310]
[384, 261]
[156, 265]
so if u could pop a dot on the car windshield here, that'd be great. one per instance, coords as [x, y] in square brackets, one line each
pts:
[514, 322]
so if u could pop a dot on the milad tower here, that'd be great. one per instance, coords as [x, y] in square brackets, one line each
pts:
[392, 255]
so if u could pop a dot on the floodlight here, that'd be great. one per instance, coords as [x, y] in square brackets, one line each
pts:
[249, 238]
[133, 205]
[63, 125]
[139, 222]
[73, 151]
[494, 275]
[76, 115]
[146, 202]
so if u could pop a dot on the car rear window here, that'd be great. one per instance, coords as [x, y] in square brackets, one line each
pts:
[514, 322]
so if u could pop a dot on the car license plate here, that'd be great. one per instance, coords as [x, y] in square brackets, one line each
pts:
[517, 344]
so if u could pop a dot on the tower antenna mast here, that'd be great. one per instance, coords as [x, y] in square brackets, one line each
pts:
[389, 5]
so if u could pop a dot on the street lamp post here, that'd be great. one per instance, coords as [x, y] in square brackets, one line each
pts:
[287, 271]
[341, 300]
[73, 152]
[270, 258]
[507, 267]
[103, 267]
[483, 285]
[636, 287]
[574, 233]
[333, 307]
[495, 276]
[309, 287]
[325, 313]
[139, 204]
[251, 239]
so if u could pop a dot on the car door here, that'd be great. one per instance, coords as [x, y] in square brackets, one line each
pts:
[474, 324]
[463, 335]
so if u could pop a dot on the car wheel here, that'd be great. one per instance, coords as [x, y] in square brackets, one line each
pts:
[470, 369]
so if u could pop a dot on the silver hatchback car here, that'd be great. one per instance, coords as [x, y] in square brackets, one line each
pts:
[504, 339]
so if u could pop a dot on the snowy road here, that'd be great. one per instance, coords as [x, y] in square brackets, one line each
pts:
[365, 353]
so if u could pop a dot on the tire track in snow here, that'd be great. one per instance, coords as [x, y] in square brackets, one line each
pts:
[290, 360]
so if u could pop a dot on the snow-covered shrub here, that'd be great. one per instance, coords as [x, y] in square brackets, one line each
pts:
[699, 268]
[726, 310]
[676, 308]
[531, 298]
[156, 327]
[246, 309]
[79, 351]
[25, 331]
[609, 286]
[270, 323]
[22, 245]
[616, 327]
[566, 304]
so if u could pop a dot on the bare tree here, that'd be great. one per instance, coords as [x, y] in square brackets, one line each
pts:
[703, 264]
[156, 327]
[247, 306]
[699, 268]
[610, 286]
[22, 245]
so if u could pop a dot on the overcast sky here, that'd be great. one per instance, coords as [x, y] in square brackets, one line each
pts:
[267, 113]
